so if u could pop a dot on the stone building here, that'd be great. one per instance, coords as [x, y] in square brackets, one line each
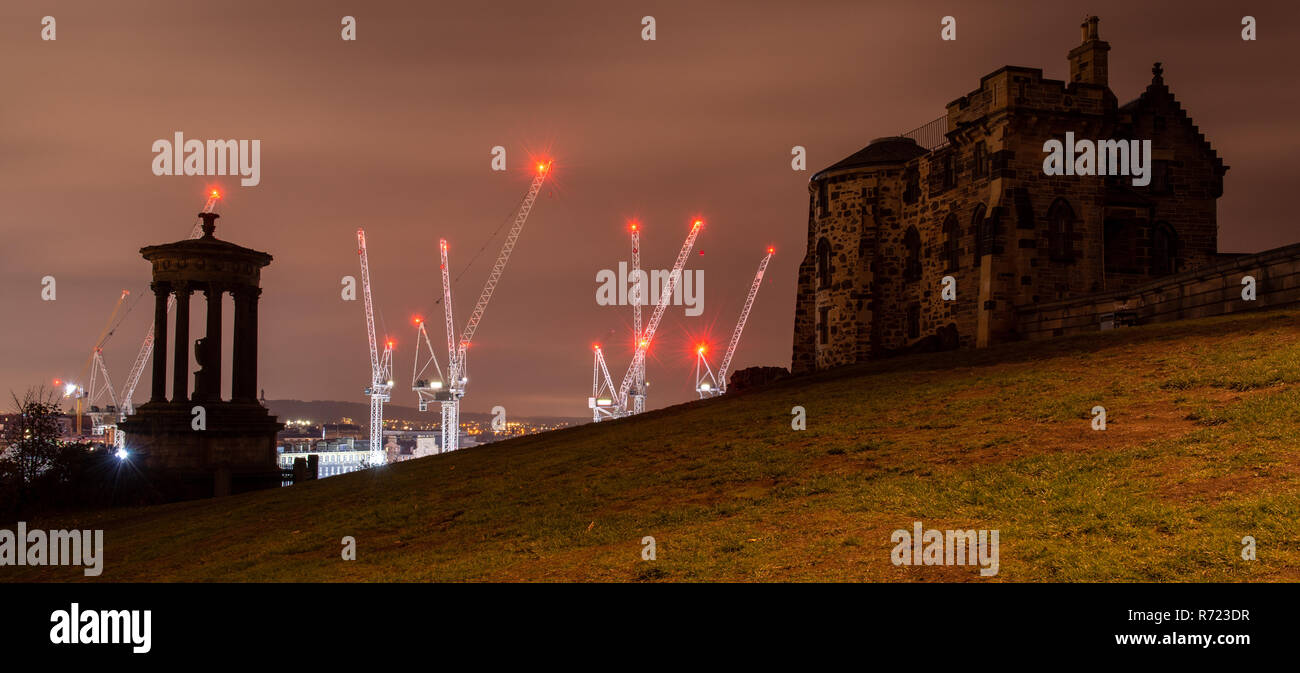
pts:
[966, 196]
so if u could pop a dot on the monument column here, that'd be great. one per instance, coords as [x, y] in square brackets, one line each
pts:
[212, 343]
[161, 290]
[181, 358]
[243, 371]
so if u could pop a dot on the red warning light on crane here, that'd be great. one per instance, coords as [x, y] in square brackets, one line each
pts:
[771, 250]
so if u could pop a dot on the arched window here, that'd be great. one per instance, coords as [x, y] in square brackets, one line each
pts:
[823, 264]
[983, 242]
[912, 262]
[1164, 250]
[951, 236]
[1060, 231]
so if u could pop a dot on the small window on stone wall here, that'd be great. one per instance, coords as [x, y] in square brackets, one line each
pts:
[1164, 250]
[979, 161]
[823, 264]
[912, 258]
[951, 237]
[911, 185]
[824, 325]
[1160, 177]
[914, 321]
[1060, 231]
[948, 175]
[823, 204]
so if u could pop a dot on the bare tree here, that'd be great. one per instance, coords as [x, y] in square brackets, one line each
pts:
[31, 438]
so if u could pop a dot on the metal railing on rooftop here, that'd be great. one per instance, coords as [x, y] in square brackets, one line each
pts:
[930, 136]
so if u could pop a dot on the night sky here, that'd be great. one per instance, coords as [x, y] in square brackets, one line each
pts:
[392, 132]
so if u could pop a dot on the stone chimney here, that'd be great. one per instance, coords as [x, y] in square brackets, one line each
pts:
[1088, 61]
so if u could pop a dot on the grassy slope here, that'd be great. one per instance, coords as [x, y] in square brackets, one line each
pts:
[1201, 449]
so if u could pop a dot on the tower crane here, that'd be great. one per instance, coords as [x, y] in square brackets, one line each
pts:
[647, 337]
[381, 366]
[430, 390]
[450, 394]
[100, 387]
[629, 397]
[638, 390]
[146, 349]
[719, 383]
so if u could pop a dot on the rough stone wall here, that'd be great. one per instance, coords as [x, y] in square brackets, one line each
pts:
[803, 357]
[1015, 110]
[1187, 181]
[934, 204]
[1208, 291]
[842, 222]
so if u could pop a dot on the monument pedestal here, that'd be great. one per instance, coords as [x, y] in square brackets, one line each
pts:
[235, 452]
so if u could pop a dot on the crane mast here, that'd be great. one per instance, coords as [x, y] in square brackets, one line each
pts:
[450, 399]
[447, 312]
[146, 349]
[638, 391]
[647, 337]
[381, 367]
[457, 365]
[740, 324]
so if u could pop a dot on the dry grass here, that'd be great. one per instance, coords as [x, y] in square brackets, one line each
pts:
[1201, 449]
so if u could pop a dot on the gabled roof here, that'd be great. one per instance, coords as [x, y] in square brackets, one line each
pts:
[1157, 95]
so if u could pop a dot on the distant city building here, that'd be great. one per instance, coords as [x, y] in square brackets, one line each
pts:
[341, 447]
[425, 445]
[336, 456]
